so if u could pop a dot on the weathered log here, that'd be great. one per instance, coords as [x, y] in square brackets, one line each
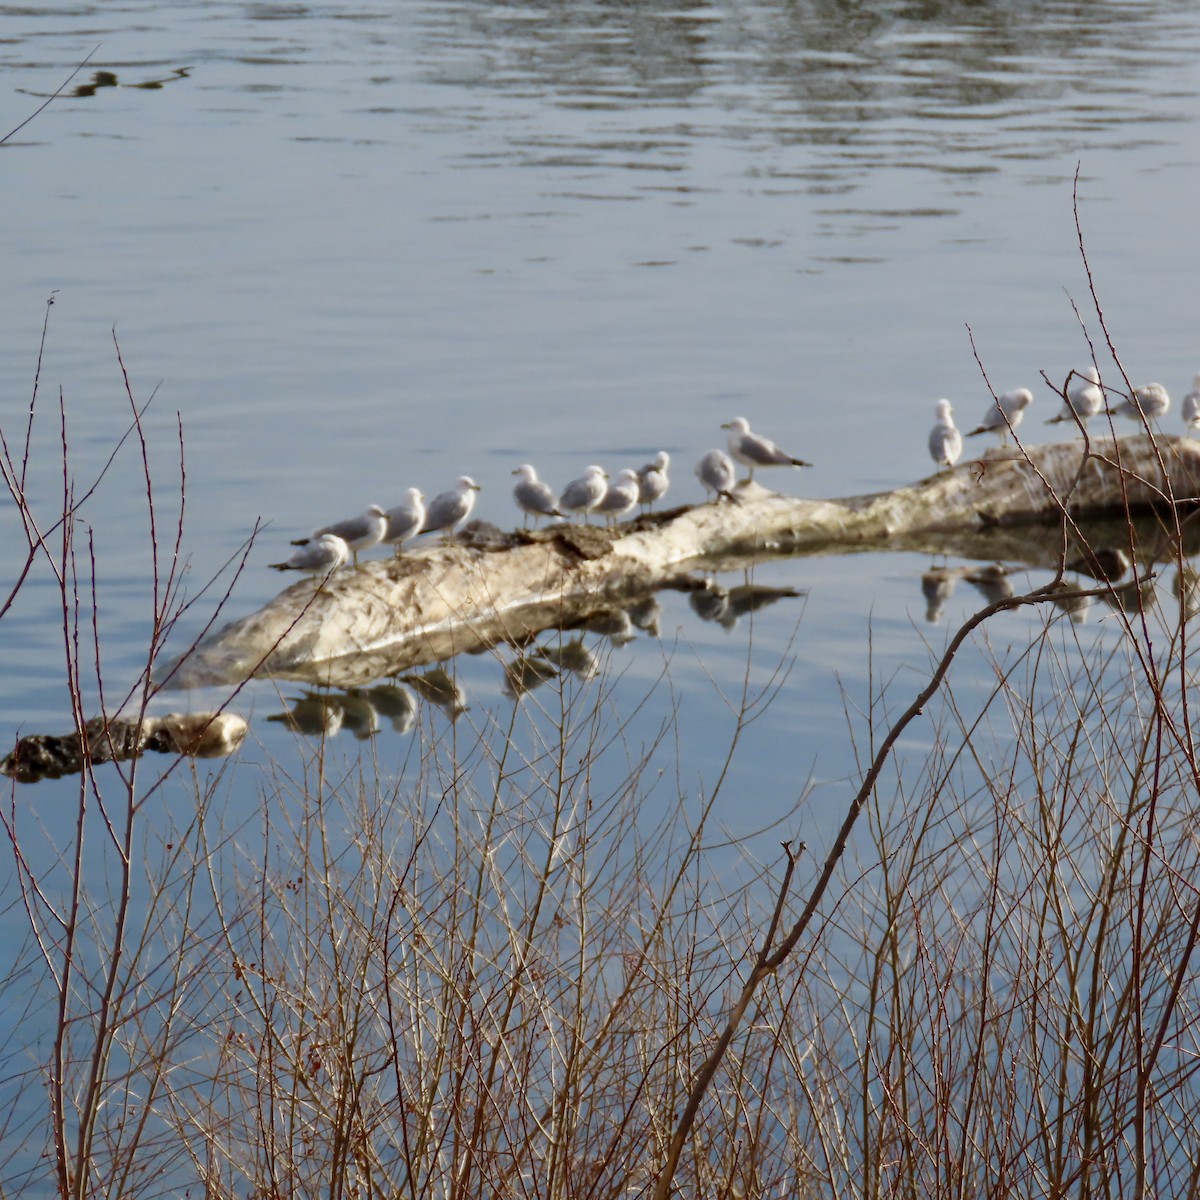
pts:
[390, 615]
[117, 739]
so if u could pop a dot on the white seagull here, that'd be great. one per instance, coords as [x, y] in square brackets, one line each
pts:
[621, 497]
[716, 471]
[945, 441]
[583, 494]
[1084, 397]
[1189, 408]
[359, 533]
[752, 450]
[1005, 412]
[652, 479]
[405, 520]
[534, 498]
[448, 511]
[319, 556]
[1150, 401]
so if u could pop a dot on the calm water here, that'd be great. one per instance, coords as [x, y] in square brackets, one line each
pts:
[359, 248]
[362, 248]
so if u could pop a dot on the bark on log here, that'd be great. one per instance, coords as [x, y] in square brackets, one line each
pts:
[391, 615]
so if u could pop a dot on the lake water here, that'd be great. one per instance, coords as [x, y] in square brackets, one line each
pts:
[362, 248]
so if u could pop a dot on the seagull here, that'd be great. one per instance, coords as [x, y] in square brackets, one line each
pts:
[754, 451]
[1084, 397]
[1005, 413]
[319, 556]
[534, 498]
[716, 471]
[1149, 402]
[945, 441]
[359, 533]
[652, 479]
[621, 497]
[405, 520]
[1189, 408]
[448, 511]
[583, 494]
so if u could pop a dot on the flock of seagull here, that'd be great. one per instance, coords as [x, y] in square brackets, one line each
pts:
[614, 499]
[330, 546]
[1083, 399]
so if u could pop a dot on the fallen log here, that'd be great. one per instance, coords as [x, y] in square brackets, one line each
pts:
[390, 615]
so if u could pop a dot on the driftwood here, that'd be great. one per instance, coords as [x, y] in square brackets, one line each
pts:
[391, 615]
[117, 739]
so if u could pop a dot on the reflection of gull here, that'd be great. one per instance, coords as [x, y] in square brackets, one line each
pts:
[992, 581]
[709, 603]
[646, 614]
[572, 656]
[937, 584]
[448, 510]
[583, 494]
[1011, 405]
[359, 715]
[405, 520]
[1084, 397]
[314, 715]
[1070, 597]
[395, 703]
[1107, 563]
[1150, 401]
[1187, 588]
[1189, 409]
[439, 688]
[945, 441]
[524, 674]
[359, 533]
[534, 498]
[320, 556]
[621, 497]
[652, 479]
[1133, 597]
[612, 623]
[748, 598]
[752, 450]
[716, 471]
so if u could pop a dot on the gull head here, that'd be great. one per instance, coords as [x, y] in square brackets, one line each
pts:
[467, 484]
[526, 472]
[737, 425]
[944, 410]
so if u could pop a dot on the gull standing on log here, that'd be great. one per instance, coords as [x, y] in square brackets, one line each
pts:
[716, 471]
[1006, 412]
[1084, 398]
[752, 450]
[405, 520]
[1189, 408]
[945, 441]
[652, 479]
[320, 556]
[534, 498]
[448, 511]
[621, 497]
[583, 494]
[359, 533]
[1150, 401]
